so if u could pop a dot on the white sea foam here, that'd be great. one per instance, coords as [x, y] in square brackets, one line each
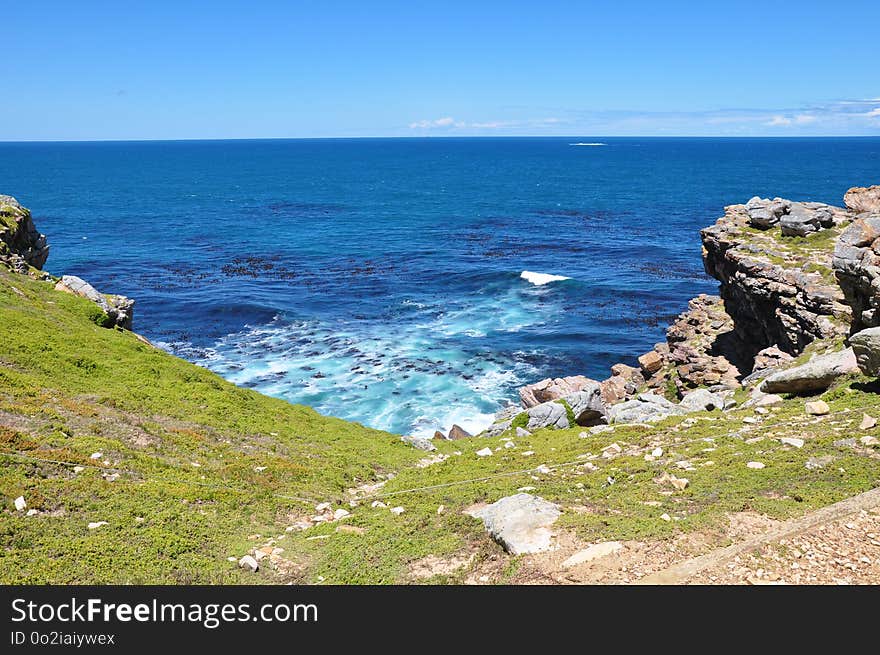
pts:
[588, 144]
[540, 279]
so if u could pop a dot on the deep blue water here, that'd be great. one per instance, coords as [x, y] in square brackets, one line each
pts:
[379, 279]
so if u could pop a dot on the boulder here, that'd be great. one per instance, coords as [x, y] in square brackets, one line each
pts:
[817, 408]
[547, 415]
[439, 435]
[458, 432]
[801, 221]
[815, 375]
[623, 383]
[497, 429]
[764, 214]
[646, 408]
[702, 400]
[520, 523]
[651, 362]
[856, 265]
[587, 406]
[863, 199]
[552, 389]
[419, 443]
[117, 308]
[866, 346]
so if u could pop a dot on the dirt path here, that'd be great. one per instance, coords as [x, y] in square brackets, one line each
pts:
[836, 544]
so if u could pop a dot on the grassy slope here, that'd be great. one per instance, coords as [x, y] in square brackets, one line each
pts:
[69, 388]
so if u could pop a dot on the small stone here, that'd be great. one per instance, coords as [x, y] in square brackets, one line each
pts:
[260, 469]
[868, 422]
[97, 524]
[522, 432]
[761, 410]
[32, 512]
[322, 507]
[484, 452]
[509, 444]
[593, 552]
[751, 420]
[232, 559]
[441, 509]
[679, 483]
[138, 519]
[378, 503]
[20, 504]
[755, 465]
[79, 469]
[869, 441]
[248, 562]
[397, 511]
[817, 408]
[657, 452]
[340, 514]
[665, 517]
[526, 489]
[113, 477]
[96, 455]
[815, 463]
[527, 453]
[792, 441]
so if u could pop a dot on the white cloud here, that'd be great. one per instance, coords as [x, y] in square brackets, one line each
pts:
[778, 120]
[805, 119]
[446, 121]
[874, 113]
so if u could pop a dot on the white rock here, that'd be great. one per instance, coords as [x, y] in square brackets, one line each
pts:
[522, 432]
[260, 469]
[79, 469]
[657, 452]
[751, 420]
[526, 453]
[520, 523]
[509, 444]
[755, 465]
[248, 562]
[232, 559]
[869, 441]
[322, 507]
[441, 509]
[97, 524]
[792, 441]
[397, 511]
[340, 514]
[32, 512]
[485, 452]
[543, 469]
[96, 455]
[665, 517]
[593, 552]
[378, 503]
[20, 504]
[526, 488]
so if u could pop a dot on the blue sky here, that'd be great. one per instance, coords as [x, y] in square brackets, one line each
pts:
[174, 70]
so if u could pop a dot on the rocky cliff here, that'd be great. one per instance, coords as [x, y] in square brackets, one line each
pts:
[21, 245]
[792, 274]
[24, 250]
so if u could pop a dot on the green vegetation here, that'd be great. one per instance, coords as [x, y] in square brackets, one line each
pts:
[214, 470]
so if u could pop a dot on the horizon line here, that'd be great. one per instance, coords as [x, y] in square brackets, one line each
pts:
[448, 136]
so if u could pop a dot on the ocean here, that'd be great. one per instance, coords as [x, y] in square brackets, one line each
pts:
[382, 280]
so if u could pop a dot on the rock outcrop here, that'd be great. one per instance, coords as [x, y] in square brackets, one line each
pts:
[866, 347]
[857, 267]
[23, 248]
[816, 375]
[863, 199]
[552, 389]
[117, 308]
[21, 245]
[779, 290]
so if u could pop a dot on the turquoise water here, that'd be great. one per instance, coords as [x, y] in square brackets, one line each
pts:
[379, 280]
